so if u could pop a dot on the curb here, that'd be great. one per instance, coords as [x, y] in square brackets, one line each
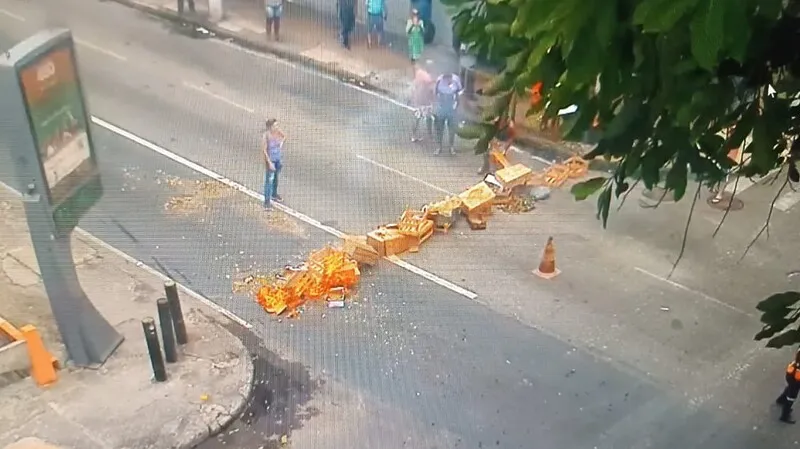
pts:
[539, 147]
[235, 412]
[329, 69]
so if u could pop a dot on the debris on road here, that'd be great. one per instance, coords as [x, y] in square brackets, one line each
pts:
[356, 247]
[330, 272]
[327, 274]
[194, 196]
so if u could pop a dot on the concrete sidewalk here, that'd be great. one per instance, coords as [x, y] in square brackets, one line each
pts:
[117, 405]
[311, 38]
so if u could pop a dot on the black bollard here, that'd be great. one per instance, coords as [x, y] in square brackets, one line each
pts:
[171, 289]
[167, 334]
[154, 349]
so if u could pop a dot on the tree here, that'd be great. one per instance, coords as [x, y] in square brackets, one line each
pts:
[674, 85]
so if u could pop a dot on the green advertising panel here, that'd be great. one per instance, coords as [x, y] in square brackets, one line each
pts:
[60, 127]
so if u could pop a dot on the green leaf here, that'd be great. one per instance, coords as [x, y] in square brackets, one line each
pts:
[622, 121]
[708, 32]
[606, 23]
[585, 189]
[737, 30]
[658, 16]
[770, 8]
[471, 132]
[677, 178]
[743, 128]
[778, 301]
[498, 29]
[604, 205]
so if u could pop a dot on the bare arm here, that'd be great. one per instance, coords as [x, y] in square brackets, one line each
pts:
[265, 154]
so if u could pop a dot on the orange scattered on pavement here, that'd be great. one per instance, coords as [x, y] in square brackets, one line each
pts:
[326, 270]
[330, 273]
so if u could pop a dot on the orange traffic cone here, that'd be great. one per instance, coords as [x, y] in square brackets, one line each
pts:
[547, 267]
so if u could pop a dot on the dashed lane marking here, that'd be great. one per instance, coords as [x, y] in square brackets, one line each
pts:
[10, 14]
[99, 49]
[405, 175]
[219, 97]
[693, 291]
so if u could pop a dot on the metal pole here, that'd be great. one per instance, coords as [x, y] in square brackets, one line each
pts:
[154, 349]
[171, 289]
[167, 334]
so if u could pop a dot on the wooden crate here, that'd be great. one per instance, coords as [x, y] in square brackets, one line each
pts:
[414, 241]
[387, 242]
[359, 250]
[477, 196]
[513, 176]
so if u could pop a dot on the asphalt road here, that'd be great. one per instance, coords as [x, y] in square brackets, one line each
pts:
[409, 363]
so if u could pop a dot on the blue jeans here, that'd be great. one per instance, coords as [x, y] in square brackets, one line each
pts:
[271, 184]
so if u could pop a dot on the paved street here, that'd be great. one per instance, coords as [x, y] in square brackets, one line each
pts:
[608, 355]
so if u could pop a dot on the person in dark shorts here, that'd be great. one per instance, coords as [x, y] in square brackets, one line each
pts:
[376, 16]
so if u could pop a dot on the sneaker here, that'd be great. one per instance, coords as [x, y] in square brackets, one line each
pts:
[437, 151]
[416, 139]
[452, 151]
[268, 207]
[277, 198]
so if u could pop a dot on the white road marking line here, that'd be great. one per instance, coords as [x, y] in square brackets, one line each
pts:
[218, 97]
[787, 201]
[130, 259]
[405, 175]
[253, 194]
[10, 14]
[431, 277]
[690, 290]
[99, 49]
[532, 156]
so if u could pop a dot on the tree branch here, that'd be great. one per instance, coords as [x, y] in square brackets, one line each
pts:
[727, 209]
[769, 217]
[625, 195]
[686, 230]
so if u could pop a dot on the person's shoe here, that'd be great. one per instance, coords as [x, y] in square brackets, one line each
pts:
[277, 198]
[452, 151]
[415, 139]
[437, 151]
[268, 207]
[787, 419]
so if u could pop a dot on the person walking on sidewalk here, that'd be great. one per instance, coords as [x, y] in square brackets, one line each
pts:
[415, 29]
[787, 399]
[189, 3]
[447, 89]
[347, 20]
[272, 147]
[274, 10]
[376, 16]
[422, 101]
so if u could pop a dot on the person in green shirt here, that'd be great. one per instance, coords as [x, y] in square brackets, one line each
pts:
[415, 30]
